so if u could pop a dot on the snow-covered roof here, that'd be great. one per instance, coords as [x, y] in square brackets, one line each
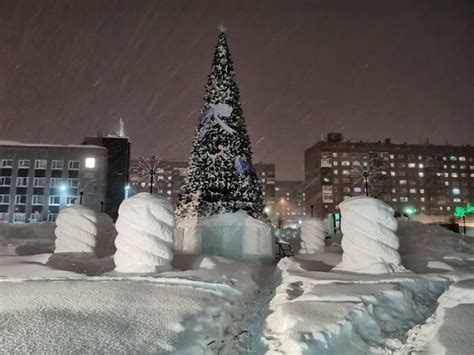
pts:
[14, 143]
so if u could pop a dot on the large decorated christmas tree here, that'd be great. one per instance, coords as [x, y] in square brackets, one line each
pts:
[221, 177]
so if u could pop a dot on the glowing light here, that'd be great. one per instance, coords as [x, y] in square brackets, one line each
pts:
[409, 210]
[90, 163]
[63, 187]
[266, 209]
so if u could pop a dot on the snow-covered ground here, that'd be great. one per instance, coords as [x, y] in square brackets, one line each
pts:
[196, 308]
[210, 304]
[429, 310]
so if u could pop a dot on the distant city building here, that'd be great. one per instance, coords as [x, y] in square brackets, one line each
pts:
[425, 178]
[171, 175]
[169, 179]
[118, 165]
[290, 202]
[37, 180]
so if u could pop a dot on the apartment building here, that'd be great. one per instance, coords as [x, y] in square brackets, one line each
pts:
[412, 178]
[37, 180]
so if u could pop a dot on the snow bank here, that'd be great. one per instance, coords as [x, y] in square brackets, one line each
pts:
[369, 241]
[313, 235]
[145, 235]
[233, 235]
[76, 230]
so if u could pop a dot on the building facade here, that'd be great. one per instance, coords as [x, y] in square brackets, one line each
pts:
[37, 180]
[425, 178]
[118, 165]
[290, 202]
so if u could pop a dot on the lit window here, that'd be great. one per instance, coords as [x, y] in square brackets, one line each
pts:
[394, 191]
[346, 172]
[413, 191]
[454, 175]
[392, 156]
[422, 199]
[403, 199]
[411, 165]
[420, 166]
[453, 158]
[420, 157]
[357, 189]
[403, 182]
[462, 158]
[335, 163]
[456, 191]
[90, 163]
[457, 200]
[345, 163]
[420, 174]
[168, 192]
[446, 183]
[277, 189]
[422, 191]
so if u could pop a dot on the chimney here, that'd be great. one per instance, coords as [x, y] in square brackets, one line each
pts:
[387, 141]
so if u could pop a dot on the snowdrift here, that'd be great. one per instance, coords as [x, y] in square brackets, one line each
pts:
[145, 235]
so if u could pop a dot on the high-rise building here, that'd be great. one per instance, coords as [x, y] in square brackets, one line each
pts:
[118, 162]
[289, 202]
[424, 178]
[37, 180]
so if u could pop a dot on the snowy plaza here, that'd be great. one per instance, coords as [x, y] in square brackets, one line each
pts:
[373, 253]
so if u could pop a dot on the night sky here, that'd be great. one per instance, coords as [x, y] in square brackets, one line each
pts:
[370, 69]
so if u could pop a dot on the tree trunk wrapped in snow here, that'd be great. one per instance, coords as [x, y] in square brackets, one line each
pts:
[145, 235]
[369, 241]
[313, 235]
[76, 230]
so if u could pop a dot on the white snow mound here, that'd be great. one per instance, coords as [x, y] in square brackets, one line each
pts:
[369, 242]
[76, 230]
[313, 235]
[145, 235]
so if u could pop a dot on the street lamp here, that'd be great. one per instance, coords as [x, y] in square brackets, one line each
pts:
[409, 211]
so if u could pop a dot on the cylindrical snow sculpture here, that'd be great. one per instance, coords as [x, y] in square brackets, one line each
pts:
[145, 235]
[369, 242]
[313, 235]
[76, 230]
